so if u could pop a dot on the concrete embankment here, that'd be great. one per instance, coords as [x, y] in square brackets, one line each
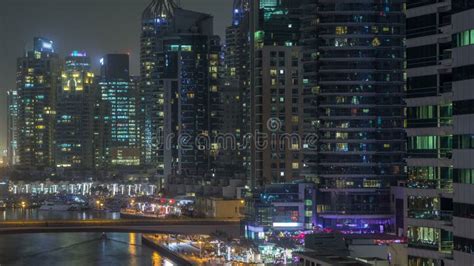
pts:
[165, 252]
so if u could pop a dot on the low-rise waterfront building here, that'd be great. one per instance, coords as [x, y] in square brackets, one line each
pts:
[220, 208]
[285, 207]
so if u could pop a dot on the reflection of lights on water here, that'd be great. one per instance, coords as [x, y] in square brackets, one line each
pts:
[168, 263]
[132, 249]
[156, 258]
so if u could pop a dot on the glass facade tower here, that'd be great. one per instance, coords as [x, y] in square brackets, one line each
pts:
[74, 114]
[119, 94]
[12, 121]
[179, 84]
[38, 75]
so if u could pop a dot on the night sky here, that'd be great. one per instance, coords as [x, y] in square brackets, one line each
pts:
[95, 26]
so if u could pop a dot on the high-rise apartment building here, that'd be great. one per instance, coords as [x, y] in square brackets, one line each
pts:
[270, 76]
[151, 91]
[427, 196]
[353, 67]
[118, 95]
[463, 131]
[438, 195]
[237, 72]
[38, 77]
[179, 84]
[236, 39]
[75, 115]
[229, 162]
[12, 127]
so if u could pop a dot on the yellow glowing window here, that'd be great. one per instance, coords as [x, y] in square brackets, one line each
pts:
[342, 135]
[295, 165]
[340, 30]
[376, 42]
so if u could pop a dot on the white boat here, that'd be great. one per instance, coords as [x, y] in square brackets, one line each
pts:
[57, 206]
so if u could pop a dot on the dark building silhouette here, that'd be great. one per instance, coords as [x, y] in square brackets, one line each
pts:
[179, 83]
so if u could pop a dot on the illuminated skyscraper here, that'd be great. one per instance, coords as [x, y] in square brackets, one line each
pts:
[463, 134]
[235, 79]
[179, 83]
[38, 77]
[438, 198]
[236, 40]
[75, 114]
[270, 76]
[354, 83]
[154, 24]
[12, 122]
[118, 94]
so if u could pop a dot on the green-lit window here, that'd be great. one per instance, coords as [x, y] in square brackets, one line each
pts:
[464, 176]
[423, 236]
[423, 143]
[464, 38]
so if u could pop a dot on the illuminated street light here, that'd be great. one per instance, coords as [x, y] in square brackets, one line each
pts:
[200, 248]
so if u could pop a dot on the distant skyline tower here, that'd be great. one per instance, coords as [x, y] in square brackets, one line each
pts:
[179, 82]
[75, 114]
[38, 75]
[12, 127]
[118, 93]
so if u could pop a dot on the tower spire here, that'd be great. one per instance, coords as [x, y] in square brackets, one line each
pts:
[161, 9]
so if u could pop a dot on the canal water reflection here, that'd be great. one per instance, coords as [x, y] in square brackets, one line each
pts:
[73, 248]
[76, 249]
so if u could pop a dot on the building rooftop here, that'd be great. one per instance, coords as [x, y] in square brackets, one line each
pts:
[331, 259]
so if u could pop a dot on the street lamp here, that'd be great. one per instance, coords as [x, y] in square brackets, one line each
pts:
[200, 249]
